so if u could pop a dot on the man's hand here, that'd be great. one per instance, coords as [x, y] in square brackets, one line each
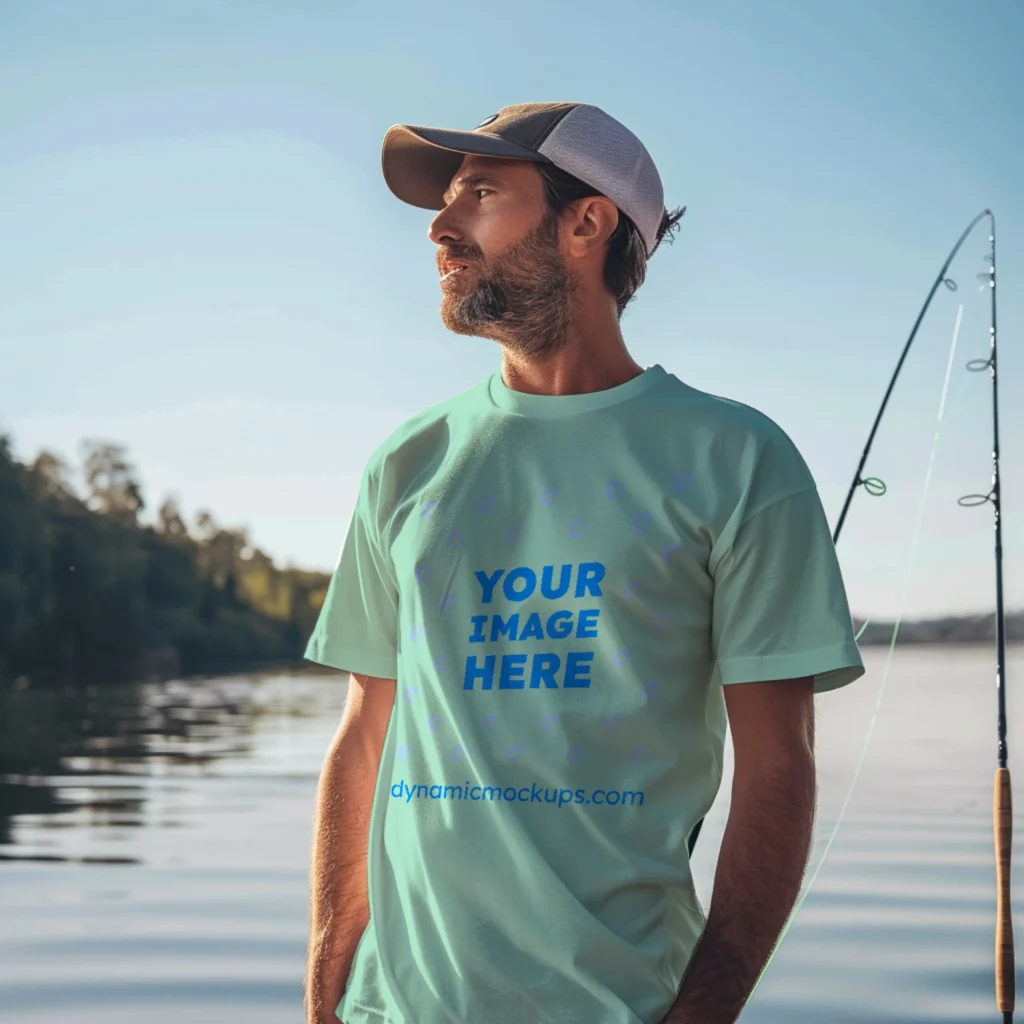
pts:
[764, 850]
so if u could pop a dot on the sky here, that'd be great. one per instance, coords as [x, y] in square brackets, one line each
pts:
[199, 258]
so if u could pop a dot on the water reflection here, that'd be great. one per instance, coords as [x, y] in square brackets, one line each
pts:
[91, 760]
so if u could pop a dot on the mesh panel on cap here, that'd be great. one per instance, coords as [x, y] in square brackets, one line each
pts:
[597, 149]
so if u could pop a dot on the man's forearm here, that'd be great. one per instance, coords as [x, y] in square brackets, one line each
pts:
[339, 906]
[763, 857]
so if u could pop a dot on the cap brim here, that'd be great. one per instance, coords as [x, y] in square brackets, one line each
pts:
[419, 163]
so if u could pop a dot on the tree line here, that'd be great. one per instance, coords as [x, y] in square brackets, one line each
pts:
[89, 594]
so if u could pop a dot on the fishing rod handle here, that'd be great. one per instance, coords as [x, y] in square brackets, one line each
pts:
[1003, 821]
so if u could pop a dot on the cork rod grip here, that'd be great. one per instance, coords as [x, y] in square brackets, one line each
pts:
[1003, 822]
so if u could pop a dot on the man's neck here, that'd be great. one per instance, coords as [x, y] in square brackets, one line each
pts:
[594, 358]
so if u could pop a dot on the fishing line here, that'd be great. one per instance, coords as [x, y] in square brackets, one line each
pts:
[915, 538]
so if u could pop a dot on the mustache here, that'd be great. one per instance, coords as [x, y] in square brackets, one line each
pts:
[458, 253]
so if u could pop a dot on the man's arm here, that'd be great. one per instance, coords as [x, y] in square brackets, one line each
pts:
[764, 851]
[339, 906]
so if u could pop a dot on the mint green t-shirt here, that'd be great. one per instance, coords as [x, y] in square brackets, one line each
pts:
[562, 586]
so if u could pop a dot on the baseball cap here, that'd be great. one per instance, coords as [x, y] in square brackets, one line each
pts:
[580, 139]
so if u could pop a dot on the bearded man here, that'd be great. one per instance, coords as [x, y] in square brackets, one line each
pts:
[557, 591]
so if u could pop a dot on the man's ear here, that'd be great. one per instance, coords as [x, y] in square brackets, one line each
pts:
[592, 222]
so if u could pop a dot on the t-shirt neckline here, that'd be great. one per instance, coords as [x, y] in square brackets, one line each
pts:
[521, 403]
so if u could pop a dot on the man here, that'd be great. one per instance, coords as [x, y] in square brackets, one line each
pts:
[556, 591]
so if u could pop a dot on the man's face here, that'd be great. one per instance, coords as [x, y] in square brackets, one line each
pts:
[503, 275]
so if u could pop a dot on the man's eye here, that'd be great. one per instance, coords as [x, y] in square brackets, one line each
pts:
[478, 191]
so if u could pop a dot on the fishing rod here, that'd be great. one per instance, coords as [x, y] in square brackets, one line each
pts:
[1002, 806]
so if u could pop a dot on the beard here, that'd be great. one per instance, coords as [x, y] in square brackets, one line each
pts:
[521, 298]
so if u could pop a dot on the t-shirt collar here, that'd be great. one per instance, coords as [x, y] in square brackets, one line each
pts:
[521, 403]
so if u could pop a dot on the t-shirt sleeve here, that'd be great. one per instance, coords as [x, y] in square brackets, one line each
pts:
[357, 630]
[780, 606]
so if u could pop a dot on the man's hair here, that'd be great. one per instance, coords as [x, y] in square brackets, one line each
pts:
[626, 264]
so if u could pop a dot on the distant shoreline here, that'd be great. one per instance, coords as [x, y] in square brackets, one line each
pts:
[951, 629]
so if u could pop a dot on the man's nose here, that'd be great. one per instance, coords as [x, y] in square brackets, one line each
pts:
[443, 229]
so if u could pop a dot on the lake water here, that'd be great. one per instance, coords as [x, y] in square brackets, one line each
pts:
[154, 844]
